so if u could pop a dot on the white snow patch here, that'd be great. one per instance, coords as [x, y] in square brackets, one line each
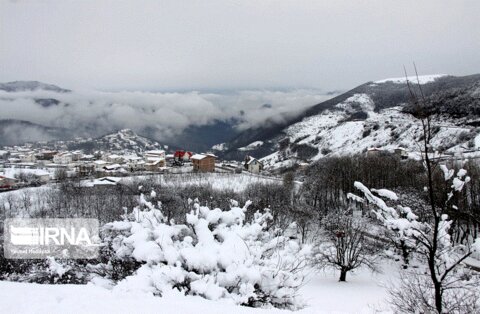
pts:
[220, 147]
[386, 193]
[251, 146]
[423, 79]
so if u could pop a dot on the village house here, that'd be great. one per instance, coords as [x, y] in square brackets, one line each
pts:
[203, 162]
[113, 168]
[154, 153]
[105, 181]
[135, 163]
[63, 158]
[374, 151]
[114, 158]
[4, 154]
[253, 165]
[76, 155]
[27, 157]
[14, 158]
[170, 159]
[99, 164]
[46, 155]
[154, 160]
[87, 158]
[401, 152]
[154, 164]
[7, 182]
[41, 175]
[86, 169]
[181, 155]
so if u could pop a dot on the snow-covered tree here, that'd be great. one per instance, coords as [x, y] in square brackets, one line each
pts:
[433, 245]
[216, 255]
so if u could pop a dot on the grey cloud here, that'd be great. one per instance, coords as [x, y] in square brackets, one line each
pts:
[168, 113]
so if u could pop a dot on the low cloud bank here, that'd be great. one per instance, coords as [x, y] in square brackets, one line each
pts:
[167, 114]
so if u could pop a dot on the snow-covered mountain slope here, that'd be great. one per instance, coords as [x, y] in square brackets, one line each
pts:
[374, 115]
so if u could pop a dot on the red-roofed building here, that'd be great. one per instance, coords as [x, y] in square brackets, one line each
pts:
[7, 183]
[181, 155]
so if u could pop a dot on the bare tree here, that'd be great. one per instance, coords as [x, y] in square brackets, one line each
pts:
[344, 244]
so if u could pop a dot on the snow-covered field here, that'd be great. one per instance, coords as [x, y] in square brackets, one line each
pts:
[218, 181]
[363, 293]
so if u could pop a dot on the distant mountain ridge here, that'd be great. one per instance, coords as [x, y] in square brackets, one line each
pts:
[22, 86]
[374, 114]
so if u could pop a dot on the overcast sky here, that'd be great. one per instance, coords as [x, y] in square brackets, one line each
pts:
[234, 44]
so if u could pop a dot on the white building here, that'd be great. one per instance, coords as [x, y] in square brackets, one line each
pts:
[41, 175]
[99, 164]
[253, 165]
[63, 158]
[115, 158]
[27, 157]
[155, 154]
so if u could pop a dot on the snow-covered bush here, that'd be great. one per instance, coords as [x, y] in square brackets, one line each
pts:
[216, 255]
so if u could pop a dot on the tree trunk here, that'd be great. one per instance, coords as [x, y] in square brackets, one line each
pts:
[438, 298]
[343, 274]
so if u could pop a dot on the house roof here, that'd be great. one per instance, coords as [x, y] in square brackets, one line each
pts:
[112, 167]
[182, 153]
[11, 172]
[102, 181]
[253, 160]
[155, 152]
[2, 177]
[109, 179]
[198, 157]
[153, 162]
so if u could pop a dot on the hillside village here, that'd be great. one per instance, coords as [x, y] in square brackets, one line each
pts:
[127, 154]
[33, 164]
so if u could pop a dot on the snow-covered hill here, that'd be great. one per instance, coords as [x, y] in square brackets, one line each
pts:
[374, 115]
[122, 141]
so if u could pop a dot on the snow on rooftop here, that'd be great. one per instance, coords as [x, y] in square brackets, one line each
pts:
[158, 151]
[198, 157]
[422, 79]
[12, 172]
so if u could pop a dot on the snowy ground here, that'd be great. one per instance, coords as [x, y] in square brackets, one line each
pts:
[363, 293]
[218, 181]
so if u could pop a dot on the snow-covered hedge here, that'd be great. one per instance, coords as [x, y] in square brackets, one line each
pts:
[216, 255]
